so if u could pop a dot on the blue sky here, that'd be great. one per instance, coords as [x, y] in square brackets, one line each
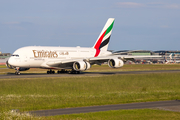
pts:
[139, 24]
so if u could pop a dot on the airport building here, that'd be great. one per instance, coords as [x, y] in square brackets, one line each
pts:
[167, 53]
[4, 57]
[173, 56]
[147, 52]
[133, 52]
[142, 60]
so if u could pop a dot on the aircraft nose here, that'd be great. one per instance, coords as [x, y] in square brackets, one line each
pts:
[11, 61]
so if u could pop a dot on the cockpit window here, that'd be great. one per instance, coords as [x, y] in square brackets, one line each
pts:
[15, 55]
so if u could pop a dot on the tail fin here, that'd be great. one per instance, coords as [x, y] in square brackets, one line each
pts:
[170, 56]
[103, 39]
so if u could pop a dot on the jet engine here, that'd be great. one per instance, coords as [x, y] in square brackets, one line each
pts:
[81, 65]
[115, 63]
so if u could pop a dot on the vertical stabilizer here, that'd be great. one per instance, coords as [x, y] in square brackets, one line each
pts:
[103, 39]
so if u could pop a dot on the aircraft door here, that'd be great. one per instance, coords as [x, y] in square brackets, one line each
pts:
[25, 58]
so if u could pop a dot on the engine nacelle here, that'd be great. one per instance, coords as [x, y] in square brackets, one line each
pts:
[115, 63]
[81, 65]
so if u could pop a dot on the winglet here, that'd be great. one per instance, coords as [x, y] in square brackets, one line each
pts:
[103, 39]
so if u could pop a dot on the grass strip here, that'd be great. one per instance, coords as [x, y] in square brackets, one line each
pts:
[137, 114]
[49, 93]
[3, 66]
[141, 114]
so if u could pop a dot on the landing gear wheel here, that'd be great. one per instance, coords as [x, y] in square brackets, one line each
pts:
[17, 71]
[62, 71]
[75, 72]
[50, 72]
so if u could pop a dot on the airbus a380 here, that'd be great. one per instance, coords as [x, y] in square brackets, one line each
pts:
[74, 58]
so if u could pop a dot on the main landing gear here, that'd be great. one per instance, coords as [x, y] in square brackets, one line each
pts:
[63, 71]
[75, 72]
[50, 72]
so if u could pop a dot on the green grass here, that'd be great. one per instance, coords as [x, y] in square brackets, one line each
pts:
[28, 94]
[142, 114]
[137, 114]
[9, 115]
[3, 66]
[48, 93]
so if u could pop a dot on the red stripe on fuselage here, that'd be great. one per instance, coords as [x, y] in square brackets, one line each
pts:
[97, 52]
[98, 44]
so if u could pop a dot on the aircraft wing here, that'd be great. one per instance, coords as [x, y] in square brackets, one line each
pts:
[98, 60]
[131, 57]
[122, 57]
[92, 60]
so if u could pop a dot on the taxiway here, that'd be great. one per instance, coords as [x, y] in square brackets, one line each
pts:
[38, 75]
[77, 110]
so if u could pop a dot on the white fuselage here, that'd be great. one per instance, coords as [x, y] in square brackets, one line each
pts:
[38, 56]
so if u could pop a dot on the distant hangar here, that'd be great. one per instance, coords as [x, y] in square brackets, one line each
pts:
[175, 55]
[147, 52]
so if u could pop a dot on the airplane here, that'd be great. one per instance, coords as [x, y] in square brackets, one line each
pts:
[76, 59]
[169, 61]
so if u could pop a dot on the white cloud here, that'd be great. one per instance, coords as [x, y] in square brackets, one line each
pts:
[149, 5]
[129, 4]
[174, 6]
[163, 5]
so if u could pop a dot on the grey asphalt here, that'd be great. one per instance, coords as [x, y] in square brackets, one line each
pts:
[77, 110]
[38, 75]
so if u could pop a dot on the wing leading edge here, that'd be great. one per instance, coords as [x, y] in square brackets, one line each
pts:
[68, 63]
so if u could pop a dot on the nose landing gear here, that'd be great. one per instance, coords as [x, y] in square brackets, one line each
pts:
[17, 71]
